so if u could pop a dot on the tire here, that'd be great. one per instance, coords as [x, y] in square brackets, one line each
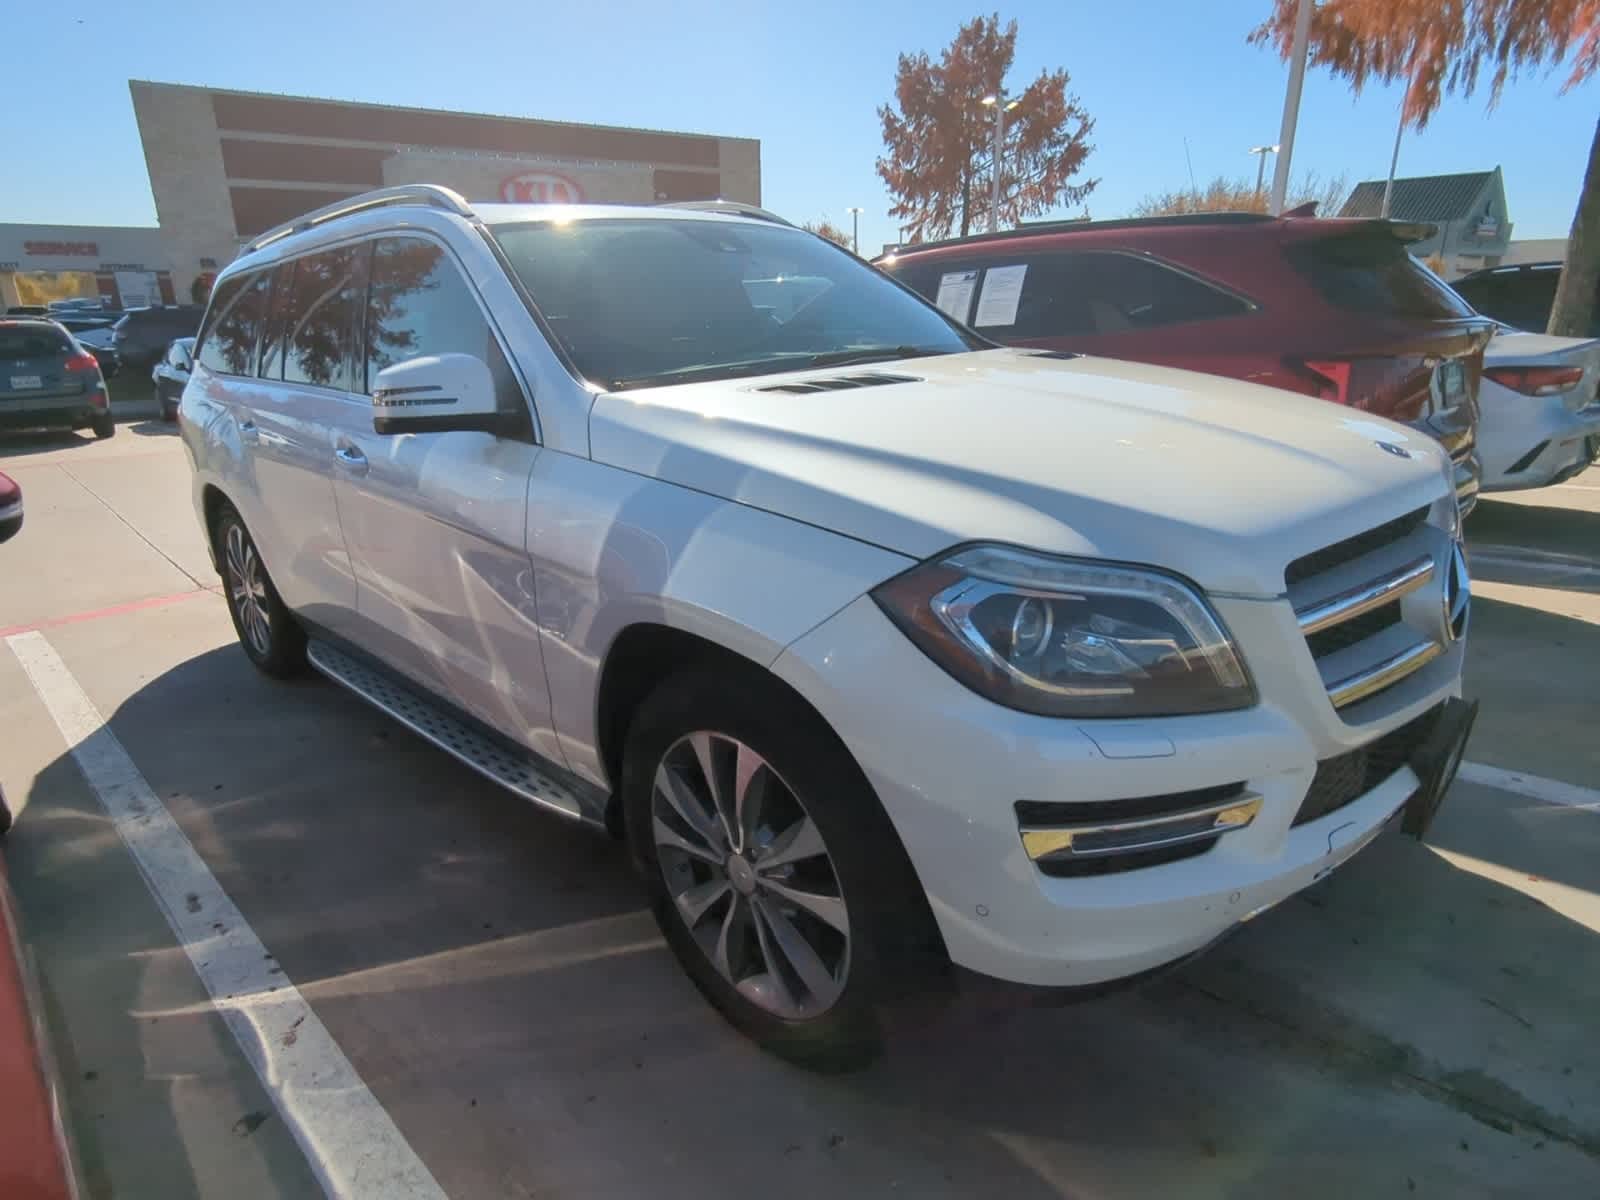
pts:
[103, 425]
[169, 411]
[271, 637]
[877, 947]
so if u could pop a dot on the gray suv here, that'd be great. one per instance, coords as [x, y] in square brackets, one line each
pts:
[48, 380]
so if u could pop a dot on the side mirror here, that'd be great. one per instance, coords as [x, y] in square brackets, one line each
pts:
[437, 393]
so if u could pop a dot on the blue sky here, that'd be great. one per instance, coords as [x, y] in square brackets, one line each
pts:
[804, 78]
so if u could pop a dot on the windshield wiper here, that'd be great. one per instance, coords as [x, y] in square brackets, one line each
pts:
[865, 354]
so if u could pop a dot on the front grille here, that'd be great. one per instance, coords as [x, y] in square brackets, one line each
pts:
[1321, 561]
[1349, 776]
[1358, 629]
[1359, 610]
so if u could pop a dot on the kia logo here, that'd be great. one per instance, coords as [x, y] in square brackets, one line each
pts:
[540, 187]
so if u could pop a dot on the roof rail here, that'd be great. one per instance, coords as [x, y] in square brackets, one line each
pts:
[406, 193]
[732, 208]
[1079, 225]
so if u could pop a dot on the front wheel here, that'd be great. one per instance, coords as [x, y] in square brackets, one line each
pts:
[773, 871]
[270, 635]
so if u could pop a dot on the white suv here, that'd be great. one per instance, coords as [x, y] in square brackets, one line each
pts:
[884, 648]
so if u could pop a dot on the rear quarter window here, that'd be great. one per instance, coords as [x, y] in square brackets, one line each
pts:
[233, 324]
[1375, 274]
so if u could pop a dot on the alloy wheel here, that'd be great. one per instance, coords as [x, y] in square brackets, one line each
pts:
[247, 586]
[750, 875]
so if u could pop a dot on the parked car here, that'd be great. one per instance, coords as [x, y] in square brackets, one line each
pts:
[883, 648]
[78, 304]
[10, 507]
[1539, 417]
[97, 336]
[40, 1163]
[1331, 308]
[143, 334]
[47, 380]
[1520, 296]
[171, 374]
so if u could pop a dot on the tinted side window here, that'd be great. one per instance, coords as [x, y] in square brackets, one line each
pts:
[237, 308]
[315, 306]
[1068, 294]
[418, 304]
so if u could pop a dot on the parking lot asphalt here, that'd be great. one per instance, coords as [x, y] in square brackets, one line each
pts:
[1420, 1023]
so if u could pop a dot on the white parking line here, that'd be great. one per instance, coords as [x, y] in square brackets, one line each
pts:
[349, 1140]
[1536, 787]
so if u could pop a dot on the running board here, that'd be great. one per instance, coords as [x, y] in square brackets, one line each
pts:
[517, 772]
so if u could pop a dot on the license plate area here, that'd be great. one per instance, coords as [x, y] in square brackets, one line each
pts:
[23, 383]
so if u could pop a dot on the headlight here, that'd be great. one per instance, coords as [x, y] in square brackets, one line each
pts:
[1068, 638]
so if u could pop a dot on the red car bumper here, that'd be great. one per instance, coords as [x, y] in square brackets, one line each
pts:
[35, 1157]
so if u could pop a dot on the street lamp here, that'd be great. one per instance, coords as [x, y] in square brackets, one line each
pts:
[1261, 153]
[855, 230]
[1001, 106]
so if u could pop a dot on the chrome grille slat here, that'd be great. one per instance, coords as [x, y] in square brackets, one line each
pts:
[1362, 605]
[1385, 673]
[1351, 604]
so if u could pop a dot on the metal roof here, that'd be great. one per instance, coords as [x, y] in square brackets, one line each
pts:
[1420, 198]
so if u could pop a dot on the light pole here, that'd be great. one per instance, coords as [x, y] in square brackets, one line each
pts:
[1291, 105]
[1001, 106]
[855, 231]
[1394, 161]
[1261, 153]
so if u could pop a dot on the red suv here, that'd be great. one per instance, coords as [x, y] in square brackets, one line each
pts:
[1331, 308]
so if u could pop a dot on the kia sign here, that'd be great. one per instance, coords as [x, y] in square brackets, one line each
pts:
[540, 187]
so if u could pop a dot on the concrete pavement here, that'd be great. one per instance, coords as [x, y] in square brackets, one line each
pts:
[1418, 1024]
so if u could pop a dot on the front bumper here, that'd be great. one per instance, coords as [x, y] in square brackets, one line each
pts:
[950, 766]
[1530, 442]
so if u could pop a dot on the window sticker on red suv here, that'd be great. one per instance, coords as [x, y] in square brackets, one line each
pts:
[1002, 290]
[955, 293]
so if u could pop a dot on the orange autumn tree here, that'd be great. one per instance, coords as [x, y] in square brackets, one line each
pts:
[938, 137]
[827, 229]
[1438, 47]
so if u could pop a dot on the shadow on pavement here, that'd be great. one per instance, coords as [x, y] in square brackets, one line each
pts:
[488, 970]
[1539, 675]
[1544, 529]
[35, 441]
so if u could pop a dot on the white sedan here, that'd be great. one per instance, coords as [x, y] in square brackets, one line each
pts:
[1539, 417]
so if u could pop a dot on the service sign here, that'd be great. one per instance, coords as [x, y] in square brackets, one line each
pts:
[540, 187]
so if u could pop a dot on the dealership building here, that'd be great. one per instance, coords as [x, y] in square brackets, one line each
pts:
[226, 165]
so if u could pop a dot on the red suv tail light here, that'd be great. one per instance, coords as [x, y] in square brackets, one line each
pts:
[1536, 381]
[1394, 387]
[83, 361]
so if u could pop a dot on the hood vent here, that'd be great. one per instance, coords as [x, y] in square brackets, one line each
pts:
[838, 383]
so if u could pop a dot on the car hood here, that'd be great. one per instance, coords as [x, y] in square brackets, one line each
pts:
[1222, 481]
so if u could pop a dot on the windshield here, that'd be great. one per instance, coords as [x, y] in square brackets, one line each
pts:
[646, 302]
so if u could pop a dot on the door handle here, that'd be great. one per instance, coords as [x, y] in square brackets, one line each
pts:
[351, 459]
[248, 432]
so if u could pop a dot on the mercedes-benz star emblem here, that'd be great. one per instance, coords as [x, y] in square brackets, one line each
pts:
[1391, 448]
[1457, 596]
